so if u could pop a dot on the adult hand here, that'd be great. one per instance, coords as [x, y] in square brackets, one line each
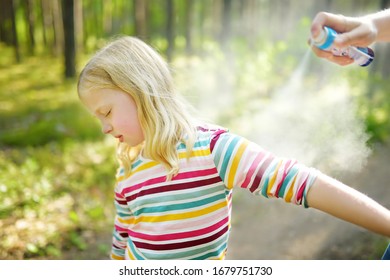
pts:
[353, 31]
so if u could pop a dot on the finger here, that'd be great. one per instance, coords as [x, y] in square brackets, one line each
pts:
[340, 60]
[336, 22]
[361, 36]
[322, 54]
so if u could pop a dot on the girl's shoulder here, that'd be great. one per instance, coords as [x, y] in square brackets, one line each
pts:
[210, 130]
[208, 135]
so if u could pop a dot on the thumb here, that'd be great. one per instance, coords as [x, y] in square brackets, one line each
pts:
[315, 30]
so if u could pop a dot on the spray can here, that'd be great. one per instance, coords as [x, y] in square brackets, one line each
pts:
[324, 41]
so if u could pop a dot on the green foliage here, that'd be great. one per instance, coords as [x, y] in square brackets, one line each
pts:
[54, 192]
[372, 92]
[56, 184]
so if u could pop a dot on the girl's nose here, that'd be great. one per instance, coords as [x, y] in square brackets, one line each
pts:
[106, 128]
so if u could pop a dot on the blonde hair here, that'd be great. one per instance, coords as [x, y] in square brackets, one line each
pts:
[130, 65]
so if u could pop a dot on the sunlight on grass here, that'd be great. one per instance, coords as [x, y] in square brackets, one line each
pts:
[50, 188]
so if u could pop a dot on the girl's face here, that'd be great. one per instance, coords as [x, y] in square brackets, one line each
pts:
[117, 113]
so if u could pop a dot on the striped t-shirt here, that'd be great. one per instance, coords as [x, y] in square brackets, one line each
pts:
[189, 217]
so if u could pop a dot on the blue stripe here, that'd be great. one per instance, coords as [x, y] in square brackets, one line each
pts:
[291, 174]
[198, 144]
[136, 164]
[179, 196]
[330, 36]
[180, 206]
[218, 149]
[227, 157]
[134, 250]
[267, 174]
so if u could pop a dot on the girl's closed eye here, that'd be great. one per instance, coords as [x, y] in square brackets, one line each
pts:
[108, 113]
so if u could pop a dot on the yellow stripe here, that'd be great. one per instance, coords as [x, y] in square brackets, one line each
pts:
[145, 166]
[129, 254]
[290, 191]
[138, 169]
[273, 179]
[126, 221]
[234, 166]
[151, 164]
[196, 153]
[181, 216]
[115, 257]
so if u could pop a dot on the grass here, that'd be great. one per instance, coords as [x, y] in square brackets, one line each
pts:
[57, 169]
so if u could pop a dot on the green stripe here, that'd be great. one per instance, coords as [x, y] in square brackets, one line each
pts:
[214, 254]
[188, 253]
[227, 157]
[266, 175]
[293, 171]
[134, 250]
[150, 199]
[218, 149]
[180, 206]
[198, 144]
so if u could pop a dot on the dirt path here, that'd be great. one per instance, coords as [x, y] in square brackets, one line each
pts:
[271, 229]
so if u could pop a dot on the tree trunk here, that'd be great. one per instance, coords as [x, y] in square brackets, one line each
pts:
[215, 13]
[226, 25]
[189, 22]
[8, 33]
[140, 21]
[107, 17]
[58, 31]
[6, 22]
[78, 23]
[170, 29]
[29, 9]
[45, 19]
[15, 41]
[69, 38]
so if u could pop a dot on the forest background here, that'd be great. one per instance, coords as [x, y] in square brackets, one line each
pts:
[244, 64]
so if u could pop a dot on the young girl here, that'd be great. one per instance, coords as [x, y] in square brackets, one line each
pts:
[174, 185]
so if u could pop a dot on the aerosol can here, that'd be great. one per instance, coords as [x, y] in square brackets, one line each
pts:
[324, 41]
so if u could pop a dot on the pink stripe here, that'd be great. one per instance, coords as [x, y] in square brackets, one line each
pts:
[120, 228]
[287, 168]
[301, 192]
[181, 235]
[162, 179]
[214, 139]
[182, 245]
[260, 173]
[119, 197]
[252, 169]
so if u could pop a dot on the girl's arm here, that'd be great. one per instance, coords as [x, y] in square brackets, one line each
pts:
[337, 199]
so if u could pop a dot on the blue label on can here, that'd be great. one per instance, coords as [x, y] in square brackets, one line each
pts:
[330, 36]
